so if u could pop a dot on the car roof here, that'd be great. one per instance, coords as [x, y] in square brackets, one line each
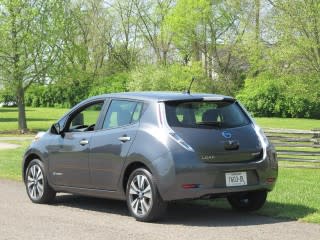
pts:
[165, 96]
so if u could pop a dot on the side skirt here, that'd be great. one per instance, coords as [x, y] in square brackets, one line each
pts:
[90, 192]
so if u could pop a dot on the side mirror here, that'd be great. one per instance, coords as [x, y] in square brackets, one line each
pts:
[56, 129]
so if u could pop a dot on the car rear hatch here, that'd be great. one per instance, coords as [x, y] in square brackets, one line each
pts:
[218, 131]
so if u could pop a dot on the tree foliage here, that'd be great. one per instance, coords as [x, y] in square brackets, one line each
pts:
[288, 96]
[58, 52]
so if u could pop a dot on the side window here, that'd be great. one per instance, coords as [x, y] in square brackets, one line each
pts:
[86, 119]
[122, 112]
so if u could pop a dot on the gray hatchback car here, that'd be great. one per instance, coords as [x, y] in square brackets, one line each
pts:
[150, 148]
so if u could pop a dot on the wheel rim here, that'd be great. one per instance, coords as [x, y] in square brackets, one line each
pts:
[140, 195]
[35, 182]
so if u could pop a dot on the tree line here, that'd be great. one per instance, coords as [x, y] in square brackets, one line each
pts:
[265, 52]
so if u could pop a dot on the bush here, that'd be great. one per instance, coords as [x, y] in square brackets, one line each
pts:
[6, 96]
[114, 83]
[67, 93]
[281, 97]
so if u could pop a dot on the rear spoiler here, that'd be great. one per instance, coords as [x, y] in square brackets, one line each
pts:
[219, 98]
[199, 99]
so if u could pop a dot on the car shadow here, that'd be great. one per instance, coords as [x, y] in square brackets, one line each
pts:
[189, 213]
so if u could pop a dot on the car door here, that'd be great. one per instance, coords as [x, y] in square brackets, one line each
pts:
[110, 145]
[69, 151]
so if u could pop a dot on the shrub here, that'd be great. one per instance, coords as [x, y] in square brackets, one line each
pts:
[6, 96]
[114, 83]
[281, 97]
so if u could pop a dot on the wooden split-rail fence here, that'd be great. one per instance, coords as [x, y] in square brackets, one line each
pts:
[296, 148]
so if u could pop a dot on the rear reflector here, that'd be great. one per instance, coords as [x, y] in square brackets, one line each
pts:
[190, 185]
[270, 180]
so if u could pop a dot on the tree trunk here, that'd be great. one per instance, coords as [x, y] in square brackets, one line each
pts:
[196, 51]
[164, 56]
[22, 121]
[257, 30]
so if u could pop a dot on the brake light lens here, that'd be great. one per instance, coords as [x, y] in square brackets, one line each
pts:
[270, 180]
[190, 185]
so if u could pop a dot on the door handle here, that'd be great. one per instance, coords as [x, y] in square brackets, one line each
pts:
[84, 142]
[124, 138]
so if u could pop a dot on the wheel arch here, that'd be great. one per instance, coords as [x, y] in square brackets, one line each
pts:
[27, 160]
[129, 169]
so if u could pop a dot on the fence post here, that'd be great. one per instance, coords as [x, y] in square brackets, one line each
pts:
[316, 136]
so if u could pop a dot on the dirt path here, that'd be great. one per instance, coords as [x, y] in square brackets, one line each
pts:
[5, 142]
[4, 145]
[75, 217]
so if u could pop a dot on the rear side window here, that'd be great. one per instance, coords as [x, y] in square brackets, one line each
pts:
[205, 114]
[122, 112]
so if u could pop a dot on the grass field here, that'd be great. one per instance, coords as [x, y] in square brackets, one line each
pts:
[10, 161]
[40, 119]
[291, 123]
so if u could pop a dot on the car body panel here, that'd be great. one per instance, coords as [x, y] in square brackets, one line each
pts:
[69, 160]
[108, 154]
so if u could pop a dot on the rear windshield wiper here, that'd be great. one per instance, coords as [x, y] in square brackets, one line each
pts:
[210, 123]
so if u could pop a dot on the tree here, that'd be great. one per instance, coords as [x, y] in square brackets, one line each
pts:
[27, 46]
[211, 31]
[123, 47]
[297, 32]
[151, 18]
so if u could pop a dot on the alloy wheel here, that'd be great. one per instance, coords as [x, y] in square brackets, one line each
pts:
[140, 195]
[35, 182]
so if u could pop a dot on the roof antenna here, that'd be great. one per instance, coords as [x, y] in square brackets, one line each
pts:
[188, 91]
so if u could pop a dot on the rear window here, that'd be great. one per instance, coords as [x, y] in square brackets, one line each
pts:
[205, 114]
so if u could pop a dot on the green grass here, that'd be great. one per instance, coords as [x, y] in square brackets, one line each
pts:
[38, 119]
[10, 161]
[296, 196]
[291, 123]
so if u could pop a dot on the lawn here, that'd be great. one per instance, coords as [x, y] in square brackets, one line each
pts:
[40, 119]
[10, 161]
[291, 123]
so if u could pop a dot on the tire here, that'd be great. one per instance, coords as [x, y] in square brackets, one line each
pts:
[38, 189]
[143, 199]
[249, 201]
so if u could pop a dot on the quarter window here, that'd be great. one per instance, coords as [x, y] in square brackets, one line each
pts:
[122, 112]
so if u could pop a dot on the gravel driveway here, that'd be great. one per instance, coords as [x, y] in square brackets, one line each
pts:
[75, 217]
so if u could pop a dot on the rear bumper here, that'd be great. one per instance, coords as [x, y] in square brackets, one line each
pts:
[209, 179]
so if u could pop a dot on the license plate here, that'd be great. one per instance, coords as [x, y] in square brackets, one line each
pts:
[234, 179]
